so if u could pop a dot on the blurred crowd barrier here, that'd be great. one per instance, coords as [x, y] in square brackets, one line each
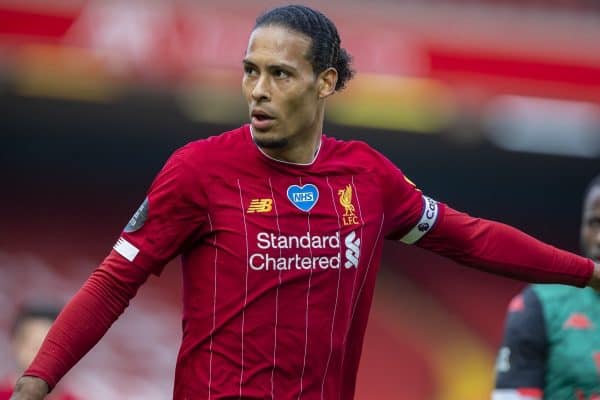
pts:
[524, 76]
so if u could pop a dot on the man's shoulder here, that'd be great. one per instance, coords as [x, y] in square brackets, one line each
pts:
[554, 292]
[562, 298]
[222, 141]
[216, 146]
[351, 149]
[347, 144]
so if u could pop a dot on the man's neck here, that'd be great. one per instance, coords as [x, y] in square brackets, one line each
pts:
[304, 153]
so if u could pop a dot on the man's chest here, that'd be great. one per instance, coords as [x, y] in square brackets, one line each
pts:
[574, 357]
[296, 223]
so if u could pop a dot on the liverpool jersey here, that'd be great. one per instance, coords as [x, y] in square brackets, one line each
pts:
[279, 261]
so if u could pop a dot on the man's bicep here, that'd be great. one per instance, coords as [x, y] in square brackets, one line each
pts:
[409, 214]
[521, 362]
[168, 218]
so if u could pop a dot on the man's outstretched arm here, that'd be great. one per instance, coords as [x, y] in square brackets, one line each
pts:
[81, 324]
[501, 249]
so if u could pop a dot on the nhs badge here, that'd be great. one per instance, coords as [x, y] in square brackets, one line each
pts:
[304, 197]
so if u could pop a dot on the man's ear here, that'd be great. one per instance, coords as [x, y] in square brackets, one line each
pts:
[326, 82]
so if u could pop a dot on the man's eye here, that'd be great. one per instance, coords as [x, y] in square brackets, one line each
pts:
[279, 73]
[249, 70]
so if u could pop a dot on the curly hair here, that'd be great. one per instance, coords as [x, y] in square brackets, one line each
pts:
[325, 50]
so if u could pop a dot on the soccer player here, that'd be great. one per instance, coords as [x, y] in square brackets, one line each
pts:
[280, 229]
[551, 346]
[31, 325]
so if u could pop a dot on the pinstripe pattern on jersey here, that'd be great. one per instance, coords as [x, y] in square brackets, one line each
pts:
[307, 309]
[276, 295]
[337, 293]
[210, 364]
[245, 281]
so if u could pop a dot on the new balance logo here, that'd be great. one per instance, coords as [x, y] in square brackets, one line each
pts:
[260, 206]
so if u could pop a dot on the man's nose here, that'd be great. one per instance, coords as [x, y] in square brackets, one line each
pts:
[261, 90]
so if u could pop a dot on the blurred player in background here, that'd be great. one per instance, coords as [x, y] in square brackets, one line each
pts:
[551, 346]
[32, 323]
[281, 231]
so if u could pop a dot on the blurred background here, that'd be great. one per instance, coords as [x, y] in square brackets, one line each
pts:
[490, 106]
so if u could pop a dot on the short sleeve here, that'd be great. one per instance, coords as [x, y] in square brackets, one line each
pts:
[170, 217]
[521, 360]
[409, 214]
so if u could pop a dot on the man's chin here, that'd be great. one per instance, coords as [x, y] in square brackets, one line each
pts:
[270, 143]
[267, 139]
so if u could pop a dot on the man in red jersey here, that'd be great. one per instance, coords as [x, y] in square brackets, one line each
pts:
[280, 229]
[31, 325]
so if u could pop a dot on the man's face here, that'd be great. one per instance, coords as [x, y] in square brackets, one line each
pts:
[28, 338]
[590, 227]
[280, 87]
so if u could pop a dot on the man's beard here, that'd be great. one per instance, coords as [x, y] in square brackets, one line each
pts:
[271, 143]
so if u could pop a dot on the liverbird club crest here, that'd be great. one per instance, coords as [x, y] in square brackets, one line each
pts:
[349, 217]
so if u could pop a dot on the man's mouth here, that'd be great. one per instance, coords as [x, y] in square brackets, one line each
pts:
[261, 115]
[261, 120]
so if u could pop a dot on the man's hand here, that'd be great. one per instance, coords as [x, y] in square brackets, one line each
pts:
[595, 280]
[30, 388]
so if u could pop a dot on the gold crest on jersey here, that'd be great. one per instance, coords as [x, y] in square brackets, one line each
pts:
[349, 217]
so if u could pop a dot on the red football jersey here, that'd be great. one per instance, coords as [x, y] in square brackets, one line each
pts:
[279, 261]
[279, 265]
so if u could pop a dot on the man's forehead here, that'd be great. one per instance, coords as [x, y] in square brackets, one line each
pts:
[279, 42]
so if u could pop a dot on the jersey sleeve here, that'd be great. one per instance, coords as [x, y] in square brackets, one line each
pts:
[504, 250]
[409, 214]
[521, 362]
[170, 217]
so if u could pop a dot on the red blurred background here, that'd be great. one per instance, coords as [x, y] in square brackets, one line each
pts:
[490, 106]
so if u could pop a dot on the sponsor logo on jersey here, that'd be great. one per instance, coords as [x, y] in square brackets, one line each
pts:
[352, 250]
[138, 219]
[263, 260]
[349, 217]
[577, 321]
[303, 197]
[260, 206]
[580, 394]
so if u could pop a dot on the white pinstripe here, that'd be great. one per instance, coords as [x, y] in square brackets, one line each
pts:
[276, 297]
[246, 282]
[355, 275]
[361, 286]
[368, 267]
[214, 310]
[337, 291]
[306, 318]
[361, 232]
